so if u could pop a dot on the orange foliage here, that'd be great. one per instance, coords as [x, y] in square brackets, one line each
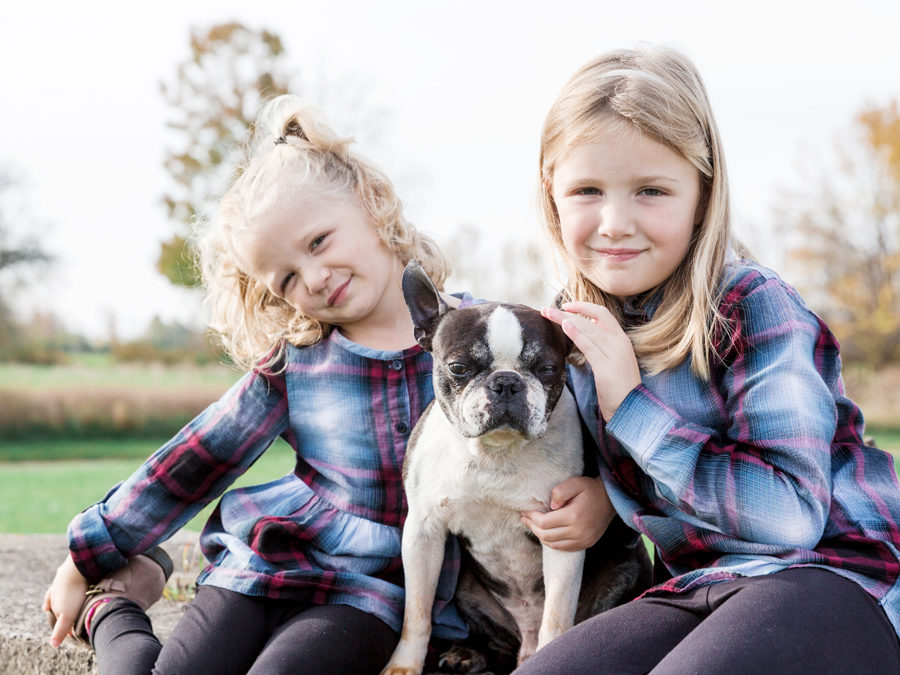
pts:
[848, 242]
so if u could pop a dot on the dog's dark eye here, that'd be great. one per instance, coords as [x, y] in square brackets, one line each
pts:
[458, 369]
[547, 369]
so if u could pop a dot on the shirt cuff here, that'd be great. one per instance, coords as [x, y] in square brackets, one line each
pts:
[641, 423]
[93, 550]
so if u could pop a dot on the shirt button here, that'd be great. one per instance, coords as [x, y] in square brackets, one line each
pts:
[401, 427]
[396, 365]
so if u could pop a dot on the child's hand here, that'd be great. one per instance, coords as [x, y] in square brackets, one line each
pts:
[64, 598]
[580, 512]
[605, 346]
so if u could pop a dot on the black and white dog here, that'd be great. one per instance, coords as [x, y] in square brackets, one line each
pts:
[502, 431]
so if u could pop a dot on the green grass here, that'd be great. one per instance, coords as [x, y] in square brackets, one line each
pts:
[56, 450]
[99, 370]
[886, 438]
[44, 483]
[42, 497]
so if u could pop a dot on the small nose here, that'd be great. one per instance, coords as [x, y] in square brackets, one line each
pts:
[315, 277]
[616, 219]
[505, 384]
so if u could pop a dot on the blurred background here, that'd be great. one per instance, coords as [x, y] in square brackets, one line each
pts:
[120, 127]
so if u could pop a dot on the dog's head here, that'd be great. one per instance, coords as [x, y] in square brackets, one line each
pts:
[499, 369]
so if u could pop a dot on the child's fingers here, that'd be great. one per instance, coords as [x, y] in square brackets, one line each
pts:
[605, 346]
[563, 538]
[588, 337]
[548, 521]
[590, 329]
[63, 626]
[547, 530]
[563, 493]
[596, 314]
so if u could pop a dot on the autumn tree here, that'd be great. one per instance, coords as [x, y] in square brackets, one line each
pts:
[231, 72]
[846, 231]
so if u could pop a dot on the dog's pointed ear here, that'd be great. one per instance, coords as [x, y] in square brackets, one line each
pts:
[424, 302]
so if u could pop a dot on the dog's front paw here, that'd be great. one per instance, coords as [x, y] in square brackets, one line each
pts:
[460, 659]
[400, 670]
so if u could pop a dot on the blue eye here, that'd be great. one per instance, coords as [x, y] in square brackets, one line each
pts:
[652, 192]
[315, 243]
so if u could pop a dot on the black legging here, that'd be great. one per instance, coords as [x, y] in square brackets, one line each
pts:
[801, 620]
[226, 632]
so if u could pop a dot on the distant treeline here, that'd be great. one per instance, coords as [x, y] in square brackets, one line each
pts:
[43, 341]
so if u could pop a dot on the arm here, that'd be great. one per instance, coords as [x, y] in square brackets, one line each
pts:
[182, 477]
[764, 475]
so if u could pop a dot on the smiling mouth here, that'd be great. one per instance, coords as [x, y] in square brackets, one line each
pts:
[338, 294]
[619, 254]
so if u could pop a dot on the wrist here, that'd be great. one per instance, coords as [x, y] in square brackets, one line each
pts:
[69, 570]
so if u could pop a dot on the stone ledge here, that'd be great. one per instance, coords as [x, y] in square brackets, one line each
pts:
[27, 565]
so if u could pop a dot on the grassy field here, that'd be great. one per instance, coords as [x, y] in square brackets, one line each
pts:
[90, 371]
[47, 477]
[886, 438]
[40, 497]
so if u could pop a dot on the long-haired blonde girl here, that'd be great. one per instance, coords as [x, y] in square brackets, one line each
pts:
[716, 399]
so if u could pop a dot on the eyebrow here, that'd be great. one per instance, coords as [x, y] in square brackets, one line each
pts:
[661, 178]
[650, 178]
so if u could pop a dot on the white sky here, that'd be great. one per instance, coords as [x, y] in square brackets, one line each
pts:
[464, 85]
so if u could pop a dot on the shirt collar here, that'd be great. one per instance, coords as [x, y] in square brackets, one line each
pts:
[639, 309]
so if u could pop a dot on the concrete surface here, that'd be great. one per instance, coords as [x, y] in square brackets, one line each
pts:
[28, 563]
[27, 566]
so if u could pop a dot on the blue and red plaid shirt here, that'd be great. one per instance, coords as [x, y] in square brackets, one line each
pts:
[328, 533]
[761, 468]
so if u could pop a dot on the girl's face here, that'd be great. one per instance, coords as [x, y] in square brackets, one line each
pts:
[627, 207]
[322, 256]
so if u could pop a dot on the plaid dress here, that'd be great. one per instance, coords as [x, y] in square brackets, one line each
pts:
[763, 467]
[326, 533]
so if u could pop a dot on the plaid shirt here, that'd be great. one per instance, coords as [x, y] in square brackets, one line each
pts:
[328, 533]
[761, 468]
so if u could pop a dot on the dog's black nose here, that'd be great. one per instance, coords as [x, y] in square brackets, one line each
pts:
[505, 384]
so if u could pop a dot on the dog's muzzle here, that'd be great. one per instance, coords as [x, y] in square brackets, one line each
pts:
[507, 403]
[504, 386]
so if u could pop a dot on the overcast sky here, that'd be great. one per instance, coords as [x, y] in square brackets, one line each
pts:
[463, 88]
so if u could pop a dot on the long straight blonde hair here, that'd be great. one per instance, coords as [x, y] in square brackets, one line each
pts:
[659, 92]
[293, 152]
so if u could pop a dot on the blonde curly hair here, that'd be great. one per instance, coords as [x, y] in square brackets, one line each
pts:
[292, 150]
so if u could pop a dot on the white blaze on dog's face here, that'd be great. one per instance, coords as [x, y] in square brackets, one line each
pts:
[499, 370]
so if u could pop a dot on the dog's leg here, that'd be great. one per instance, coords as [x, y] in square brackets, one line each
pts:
[562, 583]
[423, 554]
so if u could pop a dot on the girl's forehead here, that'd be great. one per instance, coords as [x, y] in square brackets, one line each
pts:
[599, 128]
[623, 140]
